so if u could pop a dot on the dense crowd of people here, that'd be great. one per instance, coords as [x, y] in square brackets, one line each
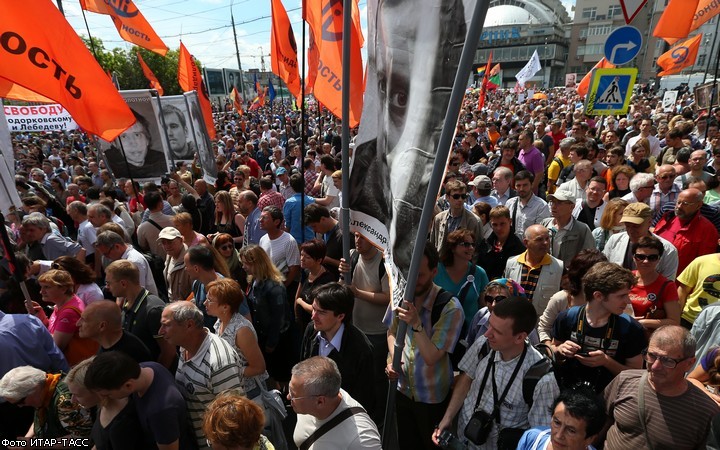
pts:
[565, 299]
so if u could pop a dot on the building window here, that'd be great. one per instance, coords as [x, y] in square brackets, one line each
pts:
[700, 61]
[583, 33]
[614, 10]
[589, 13]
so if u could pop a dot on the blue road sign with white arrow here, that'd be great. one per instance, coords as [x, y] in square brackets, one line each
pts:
[623, 45]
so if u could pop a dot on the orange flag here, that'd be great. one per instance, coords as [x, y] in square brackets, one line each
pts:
[676, 20]
[283, 50]
[706, 10]
[154, 83]
[325, 19]
[52, 61]
[129, 21]
[584, 85]
[237, 100]
[680, 56]
[13, 91]
[484, 83]
[190, 80]
[313, 59]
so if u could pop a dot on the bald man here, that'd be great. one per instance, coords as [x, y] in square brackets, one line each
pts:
[689, 231]
[101, 321]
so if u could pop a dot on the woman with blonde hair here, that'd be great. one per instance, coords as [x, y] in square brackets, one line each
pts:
[225, 246]
[227, 220]
[271, 313]
[609, 222]
[83, 276]
[57, 287]
[640, 159]
[184, 223]
[117, 424]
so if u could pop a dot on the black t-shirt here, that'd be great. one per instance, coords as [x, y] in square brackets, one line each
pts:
[123, 432]
[132, 346]
[143, 320]
[621, 338]
[587, 215]
[162, 410]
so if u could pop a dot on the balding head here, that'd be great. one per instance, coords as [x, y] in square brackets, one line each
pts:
[100, 319]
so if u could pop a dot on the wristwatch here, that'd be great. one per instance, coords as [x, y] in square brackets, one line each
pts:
[419, 329]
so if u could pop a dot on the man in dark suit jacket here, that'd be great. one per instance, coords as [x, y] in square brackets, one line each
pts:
[332, 334]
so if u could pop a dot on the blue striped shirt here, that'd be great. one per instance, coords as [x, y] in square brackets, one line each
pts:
[419, 381]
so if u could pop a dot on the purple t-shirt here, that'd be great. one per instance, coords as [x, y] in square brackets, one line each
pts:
[708, 360]
[533, 160]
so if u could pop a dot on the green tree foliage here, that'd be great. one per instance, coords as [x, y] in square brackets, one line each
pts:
[124, 64]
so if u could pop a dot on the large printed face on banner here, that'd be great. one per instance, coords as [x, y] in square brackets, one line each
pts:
[215, 82]
[232, 79]
[144, 148]
[205, 151]
[176, 120]
[413, 56]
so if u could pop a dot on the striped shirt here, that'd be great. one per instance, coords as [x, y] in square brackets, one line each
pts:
[677, 422]
[213, 369]
[531, 274]
[419, 381]
[283, 251]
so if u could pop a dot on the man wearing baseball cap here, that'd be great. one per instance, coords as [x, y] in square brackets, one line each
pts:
[482, 187]
[178, 280]
[567, 235]
[637, 218]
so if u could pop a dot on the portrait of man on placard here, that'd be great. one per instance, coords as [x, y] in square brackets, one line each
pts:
[144, 154]
[205, 153]
[178, 132]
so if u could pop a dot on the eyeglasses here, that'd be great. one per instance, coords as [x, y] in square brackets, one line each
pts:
[666, 361]
[459, 196]
[490, 299]
[651, 258]
[666, 177]
[684, 203]
[226, 247]
[466, 244]
[293, 398]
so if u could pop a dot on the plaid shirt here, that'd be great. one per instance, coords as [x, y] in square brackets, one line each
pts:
[429, 384]
[271, 198]
[514, 412]
[310, 178]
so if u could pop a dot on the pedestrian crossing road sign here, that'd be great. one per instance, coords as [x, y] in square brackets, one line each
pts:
[610, 91]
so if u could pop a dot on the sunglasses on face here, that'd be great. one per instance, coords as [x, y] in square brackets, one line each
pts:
[459, 196]
[498, 298]
[226, 247]
[466, 244]
[651, 258]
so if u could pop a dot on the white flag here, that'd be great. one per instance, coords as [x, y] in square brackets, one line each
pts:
[531, 68]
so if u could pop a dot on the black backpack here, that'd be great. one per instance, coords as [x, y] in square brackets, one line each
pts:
[156, 264]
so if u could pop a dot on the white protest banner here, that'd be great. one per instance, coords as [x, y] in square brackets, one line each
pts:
[531, 68]
[9, 196]
[38, 118]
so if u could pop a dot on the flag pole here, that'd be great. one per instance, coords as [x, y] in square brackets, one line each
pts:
[87, 27]
[713, 95]
[717, 28]
[345, 136]
[443, 149]
[303, 137]
[237, 53]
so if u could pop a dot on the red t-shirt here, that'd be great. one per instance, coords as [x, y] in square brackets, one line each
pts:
[64, 319]
[643, 298]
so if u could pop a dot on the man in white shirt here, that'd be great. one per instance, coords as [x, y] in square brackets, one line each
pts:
[645, 128]
[316, 397]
